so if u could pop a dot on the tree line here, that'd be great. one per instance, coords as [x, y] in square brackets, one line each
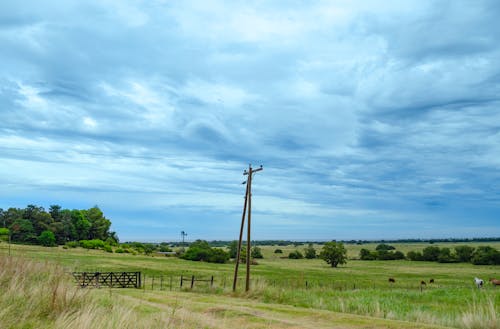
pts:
[482, 255]
[57, 226]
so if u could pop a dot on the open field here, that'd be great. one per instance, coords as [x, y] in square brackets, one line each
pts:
[291, 293]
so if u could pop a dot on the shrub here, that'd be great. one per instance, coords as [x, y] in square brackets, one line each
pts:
[365, 254]
[295, 255]
[72, 244]
[256, 252]
[119, 251]
[486, 255]
[310, 252]
[47, 239]
[108, 248]
[92, 244]
[278, 251]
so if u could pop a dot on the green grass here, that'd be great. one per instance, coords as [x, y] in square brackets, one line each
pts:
[359, 287]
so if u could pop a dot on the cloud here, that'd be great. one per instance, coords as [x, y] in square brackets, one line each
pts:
[363, 113]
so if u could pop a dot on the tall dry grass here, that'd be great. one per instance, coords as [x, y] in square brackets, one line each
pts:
[41, 295]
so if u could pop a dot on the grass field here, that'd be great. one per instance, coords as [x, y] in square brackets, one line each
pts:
[285, 293]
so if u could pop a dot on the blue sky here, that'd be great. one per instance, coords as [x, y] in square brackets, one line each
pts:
[372, 119]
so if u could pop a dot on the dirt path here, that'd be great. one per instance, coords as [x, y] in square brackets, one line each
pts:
[188, 310]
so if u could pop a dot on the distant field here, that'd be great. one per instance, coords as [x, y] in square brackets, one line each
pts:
[359, 288]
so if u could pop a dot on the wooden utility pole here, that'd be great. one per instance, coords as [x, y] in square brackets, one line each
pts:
[248, 201]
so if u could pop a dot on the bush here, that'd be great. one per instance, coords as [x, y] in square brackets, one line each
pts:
[486, 255]
[47, 239]
[200, 250]
[256, 252]
[278, 251]
[365, 254]
[414, 255]
[92, 244]
[119, 251]
[295, 255]
[310, 252]
[430, 254]
[108, 248]
[72, 244]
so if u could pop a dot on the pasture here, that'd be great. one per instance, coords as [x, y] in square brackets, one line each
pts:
[289, 293]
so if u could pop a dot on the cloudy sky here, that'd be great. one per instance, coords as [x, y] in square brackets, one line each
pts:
[372, 119]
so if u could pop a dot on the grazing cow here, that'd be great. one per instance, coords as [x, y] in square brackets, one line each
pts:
[392, 280]
[479, 282]
[495, 282]
[422, 283]
[431, 281]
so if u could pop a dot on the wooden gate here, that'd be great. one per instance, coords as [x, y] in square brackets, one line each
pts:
[108, 279]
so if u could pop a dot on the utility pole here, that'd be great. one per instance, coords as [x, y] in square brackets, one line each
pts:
[248, 201]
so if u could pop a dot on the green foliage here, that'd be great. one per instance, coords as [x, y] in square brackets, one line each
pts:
[233, 249]
[334, 253]
[414, 255]
[295, 255]
[92, 244]
[200, 250]
[486, 255]
[218, 255]
[278, 251]
[108, 248]
[72, 244]
[22, 231]
[47, 239]
[4, 231]
[384, 246]
[464, 253]
[310, 252]
[445, 256]
[26, 225]
[430, 254]
[256, 252]
[365, 254]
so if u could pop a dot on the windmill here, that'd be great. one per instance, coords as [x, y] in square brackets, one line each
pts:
[183, 234]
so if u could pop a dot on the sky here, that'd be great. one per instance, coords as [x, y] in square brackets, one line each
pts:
[372, 119]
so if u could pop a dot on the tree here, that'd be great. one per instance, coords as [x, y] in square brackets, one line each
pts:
[365, 254]
[430, 254]
[486, 255]
[310, 252]
[256, 252]
[295, 255]
[233, 249]
[4, 234]
[445, 256]
[384, 246]
[47, 239]
[464, 253]
[334, 253]
[22, 231]
[414, 255]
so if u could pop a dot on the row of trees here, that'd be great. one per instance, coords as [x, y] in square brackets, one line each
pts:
[35, 225]
[334, 253]
[483, 255]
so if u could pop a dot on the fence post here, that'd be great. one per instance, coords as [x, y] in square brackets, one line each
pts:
[192, 281]
[182, 279]
[212, 282]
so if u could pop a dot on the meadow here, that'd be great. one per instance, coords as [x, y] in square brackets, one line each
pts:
[284, 293]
